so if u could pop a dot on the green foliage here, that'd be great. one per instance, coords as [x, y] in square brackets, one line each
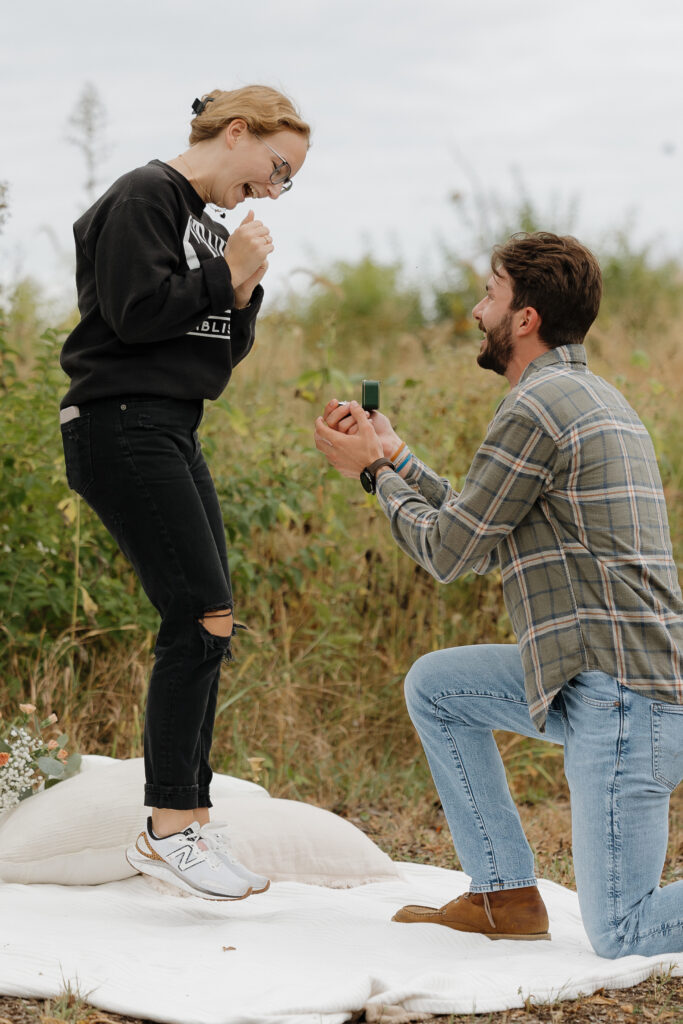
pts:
[640, 293]
[455, 302]
[25, 319]
[52, 556]
[336, 614]
[69, 1005]
[482, 220]
[359, 308]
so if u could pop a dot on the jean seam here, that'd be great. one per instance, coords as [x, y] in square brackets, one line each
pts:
[460, 767]
[666, 928]
[448, 694]
[599, 705]
[615, 847]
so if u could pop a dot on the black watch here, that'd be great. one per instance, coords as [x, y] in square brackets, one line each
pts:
[368, 476]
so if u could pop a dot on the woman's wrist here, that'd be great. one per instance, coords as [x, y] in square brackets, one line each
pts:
[242, 300]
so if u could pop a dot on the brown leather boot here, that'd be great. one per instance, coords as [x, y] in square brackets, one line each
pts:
[506, 914]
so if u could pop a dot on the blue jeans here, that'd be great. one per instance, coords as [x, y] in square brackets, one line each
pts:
[623, 756]
[138, 463]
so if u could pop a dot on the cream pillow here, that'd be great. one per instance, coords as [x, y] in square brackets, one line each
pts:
[76, 833]
[291, 841]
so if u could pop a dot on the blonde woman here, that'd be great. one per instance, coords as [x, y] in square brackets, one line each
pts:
[168, 302]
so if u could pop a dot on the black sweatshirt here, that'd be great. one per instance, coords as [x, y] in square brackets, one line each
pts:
[154, 294]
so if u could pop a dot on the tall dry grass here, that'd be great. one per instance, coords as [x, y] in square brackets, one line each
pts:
[336, 614]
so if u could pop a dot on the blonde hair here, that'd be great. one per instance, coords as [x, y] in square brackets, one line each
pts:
[265, 110]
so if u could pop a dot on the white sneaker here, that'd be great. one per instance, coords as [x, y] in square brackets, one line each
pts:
[219, 843]
[186, 860]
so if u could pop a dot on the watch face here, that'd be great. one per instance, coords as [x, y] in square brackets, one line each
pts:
[368, 481]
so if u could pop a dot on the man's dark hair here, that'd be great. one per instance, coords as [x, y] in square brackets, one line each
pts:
[556, 276]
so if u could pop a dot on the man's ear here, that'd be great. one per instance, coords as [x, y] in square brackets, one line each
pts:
[235, 130]
[529, 322]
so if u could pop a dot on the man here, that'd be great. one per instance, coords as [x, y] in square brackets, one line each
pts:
[564, 497]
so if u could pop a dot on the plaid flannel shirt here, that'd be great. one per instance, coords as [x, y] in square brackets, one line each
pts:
[564, 496]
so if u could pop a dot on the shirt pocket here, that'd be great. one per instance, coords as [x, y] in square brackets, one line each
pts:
[667, 744]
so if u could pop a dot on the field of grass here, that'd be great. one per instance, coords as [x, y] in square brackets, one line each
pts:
[312, 706]
[336, 614]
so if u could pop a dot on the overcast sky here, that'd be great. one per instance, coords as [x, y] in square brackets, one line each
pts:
[409, 102]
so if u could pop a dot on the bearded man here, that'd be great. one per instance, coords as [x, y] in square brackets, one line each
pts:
[564, 498]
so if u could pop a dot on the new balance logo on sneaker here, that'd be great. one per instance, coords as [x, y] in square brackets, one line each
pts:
[187, 856]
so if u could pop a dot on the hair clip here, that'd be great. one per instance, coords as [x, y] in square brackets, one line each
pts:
[199, 106]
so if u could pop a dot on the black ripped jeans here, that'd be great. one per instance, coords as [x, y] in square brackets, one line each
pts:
[138, 463]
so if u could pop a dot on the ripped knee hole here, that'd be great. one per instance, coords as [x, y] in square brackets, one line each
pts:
[218, 623]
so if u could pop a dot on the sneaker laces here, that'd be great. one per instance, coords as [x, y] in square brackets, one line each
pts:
[217, 841]
[200, 842]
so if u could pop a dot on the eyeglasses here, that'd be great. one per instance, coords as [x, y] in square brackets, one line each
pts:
[282, 173]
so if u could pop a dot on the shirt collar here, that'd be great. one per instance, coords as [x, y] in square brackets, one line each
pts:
[565, 355]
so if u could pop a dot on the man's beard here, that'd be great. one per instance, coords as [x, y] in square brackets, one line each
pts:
[497, 351]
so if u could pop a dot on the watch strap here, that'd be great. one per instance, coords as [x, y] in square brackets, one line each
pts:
[377, 464]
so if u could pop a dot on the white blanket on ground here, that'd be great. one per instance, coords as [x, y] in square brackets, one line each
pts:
[298, 953]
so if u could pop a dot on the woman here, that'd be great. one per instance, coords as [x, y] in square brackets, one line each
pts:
[168, 302]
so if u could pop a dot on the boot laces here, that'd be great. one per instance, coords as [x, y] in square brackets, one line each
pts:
[487, 906]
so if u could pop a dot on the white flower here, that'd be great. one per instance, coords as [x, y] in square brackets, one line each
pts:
[17, 775]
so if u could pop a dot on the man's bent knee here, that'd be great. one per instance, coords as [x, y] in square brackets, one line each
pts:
[613, 939]
[420, 682]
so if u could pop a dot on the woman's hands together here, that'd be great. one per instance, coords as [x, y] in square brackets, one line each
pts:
[246, 253]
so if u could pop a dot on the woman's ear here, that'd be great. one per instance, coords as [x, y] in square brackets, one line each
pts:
[235, 130]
